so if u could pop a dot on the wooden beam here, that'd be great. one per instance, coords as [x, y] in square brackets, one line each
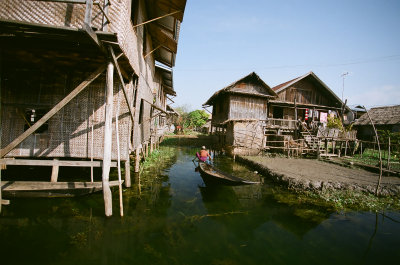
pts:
[121, 80]
[64, 1]
[53, 111]
[61, 163]
[157, 18]
[156, 48]
[156, 107]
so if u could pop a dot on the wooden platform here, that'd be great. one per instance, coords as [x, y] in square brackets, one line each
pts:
[26, 189]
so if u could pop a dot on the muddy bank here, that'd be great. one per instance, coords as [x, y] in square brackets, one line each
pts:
[317, 176]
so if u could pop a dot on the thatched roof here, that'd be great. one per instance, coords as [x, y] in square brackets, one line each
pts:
[381, 116]
[250, 85]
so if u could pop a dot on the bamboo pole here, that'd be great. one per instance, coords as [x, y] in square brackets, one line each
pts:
[379, 150]
[108, 140]
[121, 206]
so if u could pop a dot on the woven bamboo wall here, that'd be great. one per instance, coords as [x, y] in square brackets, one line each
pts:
[69, 131]
[72, 15]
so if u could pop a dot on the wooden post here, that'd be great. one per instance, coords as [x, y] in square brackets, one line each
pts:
[108, 140]
[121, 206]
[88, 12]
[345, 149]
[151, 145]
[361, 149]
[137, 160]
[388, 157]
[54, 172]
[128, 173]
[92, 148]
[295, 118]
[326, 146]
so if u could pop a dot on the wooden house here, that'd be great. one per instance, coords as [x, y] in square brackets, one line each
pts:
[76, 72]
[251, 117]
[384, 118]
[239, 114]
[306, 98]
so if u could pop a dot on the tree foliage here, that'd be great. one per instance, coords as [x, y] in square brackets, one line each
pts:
[193, 120]
[196, 119]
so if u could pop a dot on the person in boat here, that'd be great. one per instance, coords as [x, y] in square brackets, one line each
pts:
[203, 155]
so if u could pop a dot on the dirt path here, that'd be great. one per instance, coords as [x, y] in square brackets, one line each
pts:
[310, 174]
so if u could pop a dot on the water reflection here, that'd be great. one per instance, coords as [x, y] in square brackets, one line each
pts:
[171, 217]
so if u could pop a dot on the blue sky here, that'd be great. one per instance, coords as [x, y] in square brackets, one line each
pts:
[222, 41]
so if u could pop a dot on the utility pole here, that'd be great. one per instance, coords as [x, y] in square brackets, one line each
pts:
[344, 75]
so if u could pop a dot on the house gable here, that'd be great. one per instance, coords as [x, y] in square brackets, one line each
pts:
[307, 89]
[251, 85]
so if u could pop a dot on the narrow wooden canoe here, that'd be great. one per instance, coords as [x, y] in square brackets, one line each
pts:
[211, 175]
[25, 189]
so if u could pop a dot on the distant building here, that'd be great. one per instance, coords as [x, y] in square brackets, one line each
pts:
[384, 118]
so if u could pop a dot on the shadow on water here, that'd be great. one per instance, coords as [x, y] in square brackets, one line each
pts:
[172, 217]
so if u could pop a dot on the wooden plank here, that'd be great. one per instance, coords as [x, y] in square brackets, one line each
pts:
[53, 111]
[51, 189]
[121, 80]
[44, 185]
[61, 163]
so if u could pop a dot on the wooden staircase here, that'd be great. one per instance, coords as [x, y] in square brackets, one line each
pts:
[313, 144]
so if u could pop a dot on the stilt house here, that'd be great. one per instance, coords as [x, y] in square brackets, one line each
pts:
[75, 72]
[239, 114]
[250, 117]
[384, 118]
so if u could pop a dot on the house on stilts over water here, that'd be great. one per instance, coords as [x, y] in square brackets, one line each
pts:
[85, 83]
[249, 117]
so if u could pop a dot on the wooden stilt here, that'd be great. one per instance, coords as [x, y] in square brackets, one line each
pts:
[345, 148]
[108, 140]
[137, 160]
[54, 172]
[147, 150]
[92, 148]
[121, 206]
[128, 173]
[151, 145]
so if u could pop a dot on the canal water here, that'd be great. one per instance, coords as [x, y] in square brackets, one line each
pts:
[171, 217]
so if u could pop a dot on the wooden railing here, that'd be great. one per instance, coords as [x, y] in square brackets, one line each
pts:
[102, 5]
[281, 123]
